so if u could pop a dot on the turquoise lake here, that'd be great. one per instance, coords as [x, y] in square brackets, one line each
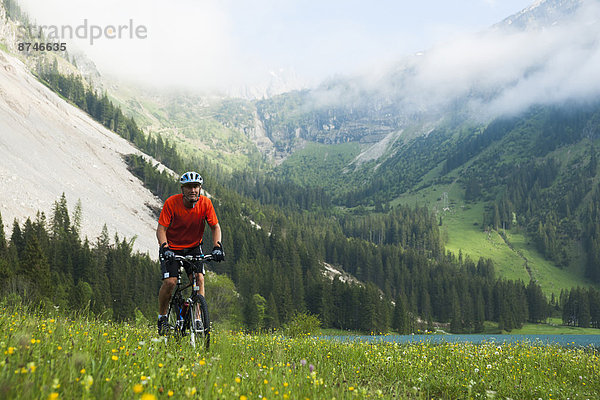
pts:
[563, 340]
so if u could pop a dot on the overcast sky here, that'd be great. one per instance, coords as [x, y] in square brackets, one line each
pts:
[229, 43]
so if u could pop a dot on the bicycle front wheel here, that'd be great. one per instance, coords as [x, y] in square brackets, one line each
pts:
[200, 323]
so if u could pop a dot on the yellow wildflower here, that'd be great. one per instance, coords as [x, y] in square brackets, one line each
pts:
[31, 367]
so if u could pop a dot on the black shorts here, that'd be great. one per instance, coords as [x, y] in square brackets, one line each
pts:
[169, 268]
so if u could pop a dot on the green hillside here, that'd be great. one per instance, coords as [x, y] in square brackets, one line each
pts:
[463, 231]
[544, 160]
[321, 165]
[473, 164]
[199, 125]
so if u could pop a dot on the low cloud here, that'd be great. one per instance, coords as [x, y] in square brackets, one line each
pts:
[499, 71]
[184, 43]
[505, 72]
[204, 45]
[216, 44]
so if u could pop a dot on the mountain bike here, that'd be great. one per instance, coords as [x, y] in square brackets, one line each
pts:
[188, 311]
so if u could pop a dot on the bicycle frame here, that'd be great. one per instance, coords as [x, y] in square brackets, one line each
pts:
[188, 315]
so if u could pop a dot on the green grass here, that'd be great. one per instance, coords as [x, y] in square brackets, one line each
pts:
[551, 278]
[465, 234]
[48, 356]
[553, 326]
[462, 228]
[321, 165]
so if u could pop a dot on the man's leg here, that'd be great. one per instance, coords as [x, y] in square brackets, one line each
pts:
[164, 294]
[200, 280]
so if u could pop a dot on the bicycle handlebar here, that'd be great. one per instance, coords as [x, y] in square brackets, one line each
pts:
[190, 258]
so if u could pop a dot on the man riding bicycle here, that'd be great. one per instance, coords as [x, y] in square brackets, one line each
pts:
[180, 230]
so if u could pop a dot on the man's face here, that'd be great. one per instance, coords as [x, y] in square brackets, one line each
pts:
[191, 192]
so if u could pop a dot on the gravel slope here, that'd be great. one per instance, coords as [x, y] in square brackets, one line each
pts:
[48, 147]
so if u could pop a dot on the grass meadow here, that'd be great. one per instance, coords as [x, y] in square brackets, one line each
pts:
[465, 235]
[462, 229]
[52, 356]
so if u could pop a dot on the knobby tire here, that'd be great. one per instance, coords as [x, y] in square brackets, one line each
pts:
[201, 335]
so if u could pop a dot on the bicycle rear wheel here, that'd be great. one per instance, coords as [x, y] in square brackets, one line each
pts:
[200, 323]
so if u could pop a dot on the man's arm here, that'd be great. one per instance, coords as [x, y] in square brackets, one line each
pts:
[161, 234]
[216, 233]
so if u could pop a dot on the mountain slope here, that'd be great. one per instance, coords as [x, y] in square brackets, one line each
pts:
[546, 54]
[49, 147]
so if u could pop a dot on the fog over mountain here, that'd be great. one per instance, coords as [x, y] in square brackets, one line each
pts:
[548, 53]
[233, 46]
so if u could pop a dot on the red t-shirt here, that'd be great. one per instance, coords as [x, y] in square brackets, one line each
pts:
[185, 226]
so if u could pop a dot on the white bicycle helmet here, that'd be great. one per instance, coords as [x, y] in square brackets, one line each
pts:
[191, 177]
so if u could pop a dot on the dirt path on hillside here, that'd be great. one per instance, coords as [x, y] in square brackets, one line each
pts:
[517, 252]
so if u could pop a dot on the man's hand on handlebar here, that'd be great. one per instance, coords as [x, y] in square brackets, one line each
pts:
[165, 253]
[217, 253]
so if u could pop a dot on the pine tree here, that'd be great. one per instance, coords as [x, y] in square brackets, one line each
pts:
[400, 319]
[425, 304]
[16, 239]
[35, 268]
[3, 246]
[456, 322]
[538, 305]
[6, 269]
[479, 312]
[100, 281]
[584, 315]
[271, 314]
[594, 301]
[76, 227]
[60, 222]
[254, 312]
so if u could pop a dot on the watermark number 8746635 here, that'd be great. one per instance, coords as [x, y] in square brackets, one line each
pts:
[28, 46]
